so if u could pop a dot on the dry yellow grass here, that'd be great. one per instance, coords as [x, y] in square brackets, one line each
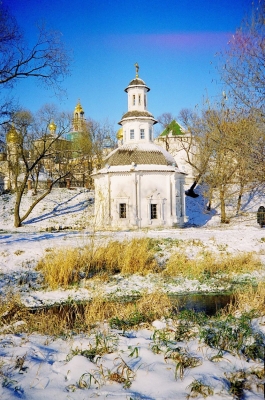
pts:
[63, 267]
[127, 257]
[249, 299]
[16, 317]
[209, 264]
[73, 317]
[150, 306]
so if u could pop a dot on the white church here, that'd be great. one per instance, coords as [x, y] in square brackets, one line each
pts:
[140, 184]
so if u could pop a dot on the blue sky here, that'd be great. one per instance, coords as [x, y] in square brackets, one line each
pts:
[173, 41]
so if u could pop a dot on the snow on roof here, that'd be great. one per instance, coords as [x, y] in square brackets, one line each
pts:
[137, 167]
[140, 153]
[137, 82]
[138, 114]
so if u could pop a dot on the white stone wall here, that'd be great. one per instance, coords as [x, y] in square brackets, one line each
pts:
[138, 190]
[137, 98]
[178, 146]
[137, 125]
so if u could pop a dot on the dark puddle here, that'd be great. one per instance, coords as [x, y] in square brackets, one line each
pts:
[210, 304]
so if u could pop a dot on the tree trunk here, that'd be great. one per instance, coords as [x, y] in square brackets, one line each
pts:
[35, 203]
[239, 200]
[190, 192]
[222, 204]
[17, 219]
[209, 205]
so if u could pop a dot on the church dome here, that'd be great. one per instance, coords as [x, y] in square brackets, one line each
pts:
[136, 153]
[52, 127]
[13, 136]
[119, 134]
[136, 82]
[79, 108]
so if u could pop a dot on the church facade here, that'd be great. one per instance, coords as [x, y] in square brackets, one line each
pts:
[140, 184]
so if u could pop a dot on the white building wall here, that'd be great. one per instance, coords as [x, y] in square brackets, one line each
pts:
[137, 98]
[138, 190]
[136, 125]
[178, 147]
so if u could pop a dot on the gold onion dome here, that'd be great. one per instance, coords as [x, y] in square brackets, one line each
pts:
[119, 134]
[79, 108]
[52, 127]
[13, 136]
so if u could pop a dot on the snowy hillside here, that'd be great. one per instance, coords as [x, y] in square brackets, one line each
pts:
[35, 366]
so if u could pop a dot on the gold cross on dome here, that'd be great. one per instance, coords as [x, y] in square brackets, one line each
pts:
[137, 69]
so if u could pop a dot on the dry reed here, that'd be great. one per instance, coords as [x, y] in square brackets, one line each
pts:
[73, 317]
[209, 264]
[149, 306]
[249, 299]
[64, 267]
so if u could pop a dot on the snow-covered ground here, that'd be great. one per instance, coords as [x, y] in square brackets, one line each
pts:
[50, 368]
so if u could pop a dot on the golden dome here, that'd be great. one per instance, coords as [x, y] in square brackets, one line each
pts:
[13, 136]
[79, 108]
[119, 134]
[52, 127]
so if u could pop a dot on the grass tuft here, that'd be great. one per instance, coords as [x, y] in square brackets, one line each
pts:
[208, 265]
[197, 388]
[249, 299]
[66, 267]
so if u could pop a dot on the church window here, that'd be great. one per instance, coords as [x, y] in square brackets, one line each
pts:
[153, 211]
[145, 100]
[122, 210]
[139, 99]
[131, 133]
[150, 134]
[134, 100]
[141, 133]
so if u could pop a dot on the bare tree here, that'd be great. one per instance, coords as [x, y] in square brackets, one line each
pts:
[198, 148]
[46, 60]
[31, 144]
[165, 120]
[243, 64]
